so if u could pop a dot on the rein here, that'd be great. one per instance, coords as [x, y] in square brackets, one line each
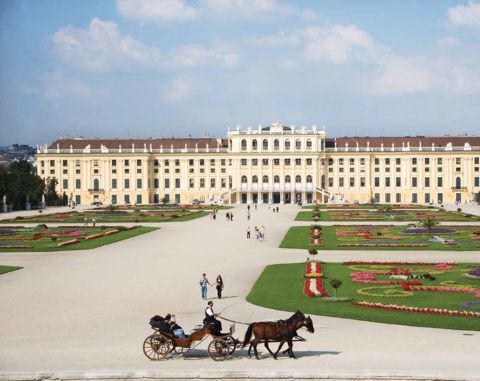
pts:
[233, 321]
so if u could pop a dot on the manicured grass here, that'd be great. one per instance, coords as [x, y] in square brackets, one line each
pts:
[24, 237]
[281, 287]
[394, 215]
[298, 237]
[368, 206]
[7, 269]
[115, 216]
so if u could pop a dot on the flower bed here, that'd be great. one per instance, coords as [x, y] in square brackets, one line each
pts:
[402, 308]
[409, 287]
[431, 231]
[313, 286]
[451, 264]
[473, 274]
[382, 244]
[93, 236]
[68, 243]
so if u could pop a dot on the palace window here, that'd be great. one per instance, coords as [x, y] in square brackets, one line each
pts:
[477, 182]
[398, 181]
[254, 161]
[309, 145]
[477, 160]
[288, 179]
[276, 179]
[243, 179]
[340, 161]
[265, 144]
[362, 181]
[255, 179]
[298, 161]
[167, 183]
[330, 181]
[202, 162]
[377, 181]
[52, 163]
[223, 182]
[387, 197]
[212, 162]
[264, 161]
[126, 183]
[387, 181]
[458, 161]
[265, 179]
[309, 161]
[330, 161]
[377, 161]
[276, 145]
[439, 182]
[352, 161]
[212, 183]
[414, 182]
[287, 161]
[77, 163]
[309, 179]
[276, 161]
[243, 145]
[126, 162]
[139, 163]
[287, 145]
[398, 198]
[397, 161]
[202, 183]
[139, 183]
[427, 161]
[65, 171]
[191, 182]
[352, 182]
[298, 144]
[156, 183]
[387, 161]
[223, 162]
[155, 162]
[254, 145]
[64, 163]
[341, 181]
[244, 161]
[439, 161]
[414, 161]
[177, 183]
[414, 198]
[65, 184]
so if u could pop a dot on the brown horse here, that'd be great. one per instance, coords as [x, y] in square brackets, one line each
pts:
[281, 331]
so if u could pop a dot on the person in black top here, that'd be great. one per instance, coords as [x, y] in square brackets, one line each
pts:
[210, 318]
[219, 286]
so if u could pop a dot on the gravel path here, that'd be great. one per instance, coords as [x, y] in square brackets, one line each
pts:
[67, 313]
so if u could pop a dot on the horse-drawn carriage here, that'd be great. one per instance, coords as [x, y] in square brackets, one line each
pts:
[163, 344]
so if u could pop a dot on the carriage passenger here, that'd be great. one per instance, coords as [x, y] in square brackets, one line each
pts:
[176, 329]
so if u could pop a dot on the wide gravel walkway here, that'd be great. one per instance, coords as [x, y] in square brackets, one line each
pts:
[84, 314]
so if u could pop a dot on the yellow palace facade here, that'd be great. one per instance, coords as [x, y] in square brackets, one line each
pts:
[274, 164]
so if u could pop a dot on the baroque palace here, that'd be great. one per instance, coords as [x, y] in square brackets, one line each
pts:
[275, 164]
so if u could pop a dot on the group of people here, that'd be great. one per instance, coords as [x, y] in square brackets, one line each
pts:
[204, 282]
[258, 232]
[85, 221]
[213, 214]
[168, 324]
[229, 216]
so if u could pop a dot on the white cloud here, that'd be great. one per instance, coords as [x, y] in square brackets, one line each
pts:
[448, 41]
[246, 7]
[59, 87]
[287, 64]
[274, 41]
[401, 76]
[101, 47]
[465, 15]
[179, 90]
[156, 10]
[195, 55]
[337, 44]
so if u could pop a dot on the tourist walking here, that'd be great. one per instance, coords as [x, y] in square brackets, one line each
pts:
[94, 221]
[248, 208]
[278, 209]
[203, 286]
[228, 216]
[231, 216]
[248, 216]
[248, 232]
[255, 206]
[219, 286]
[262, 232]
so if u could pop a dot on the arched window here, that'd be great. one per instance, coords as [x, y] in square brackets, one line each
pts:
[265, 179]
[309, 144]
[276, 144]
[244, 179]
[458, 183]
[309, 179]
[254, 145]
[298, 179]
[96, 184]
[244, 145]
[265, 145]
[276, 179]
[298, 144]
[288, 179]
[287, 145]
[255, 179]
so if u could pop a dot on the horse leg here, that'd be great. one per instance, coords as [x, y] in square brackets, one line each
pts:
[279, 347]
[290, 348]
[255, 343]
[250, 349]
[268, 348]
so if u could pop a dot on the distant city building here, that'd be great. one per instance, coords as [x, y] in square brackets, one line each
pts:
[274, 164]
[16, 152]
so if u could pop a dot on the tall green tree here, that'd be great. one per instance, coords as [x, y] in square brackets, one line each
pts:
[51, 195]
[18, 181]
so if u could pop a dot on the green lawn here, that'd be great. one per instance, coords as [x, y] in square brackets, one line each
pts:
[115, 216]
[7, 269]
[298, 237]
[281, 287]
[51, 237]
[367, 206]
[394, 215]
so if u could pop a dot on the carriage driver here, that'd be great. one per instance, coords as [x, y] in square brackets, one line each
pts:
[210, 318]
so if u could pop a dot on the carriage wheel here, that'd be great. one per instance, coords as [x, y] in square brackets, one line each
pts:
[218, 350]
[157, 347]
[232, 344]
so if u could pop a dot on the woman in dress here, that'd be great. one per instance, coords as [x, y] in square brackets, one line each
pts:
[219, 283]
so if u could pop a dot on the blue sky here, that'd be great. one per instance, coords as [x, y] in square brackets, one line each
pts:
[140, 68]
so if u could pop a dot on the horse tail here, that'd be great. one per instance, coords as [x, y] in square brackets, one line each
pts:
[248, 335]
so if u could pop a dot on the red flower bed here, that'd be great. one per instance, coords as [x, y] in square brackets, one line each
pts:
[398, 263]
[68, 243]
[314, 286]
[402, 308]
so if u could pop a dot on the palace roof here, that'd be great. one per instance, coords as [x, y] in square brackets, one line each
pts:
[177, 143]
[412, 141]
